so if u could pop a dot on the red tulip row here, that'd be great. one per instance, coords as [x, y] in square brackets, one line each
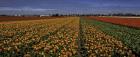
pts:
[131, 22]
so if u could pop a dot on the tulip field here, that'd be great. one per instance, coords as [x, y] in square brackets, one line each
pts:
[67, 37]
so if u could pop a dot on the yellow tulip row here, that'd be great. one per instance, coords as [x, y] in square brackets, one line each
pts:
[99, 44]
[28, 30]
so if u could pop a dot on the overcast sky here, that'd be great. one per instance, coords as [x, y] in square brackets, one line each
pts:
[68, 6]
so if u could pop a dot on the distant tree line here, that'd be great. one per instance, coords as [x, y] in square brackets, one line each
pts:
[113, 14]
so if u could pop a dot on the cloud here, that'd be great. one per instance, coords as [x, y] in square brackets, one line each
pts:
[26, 9]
